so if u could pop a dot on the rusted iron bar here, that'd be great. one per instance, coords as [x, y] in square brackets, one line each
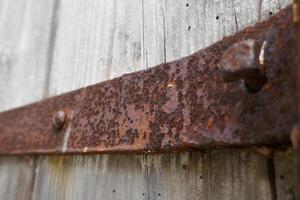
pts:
[181, 105]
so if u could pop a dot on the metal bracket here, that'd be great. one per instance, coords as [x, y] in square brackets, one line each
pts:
[181, 105]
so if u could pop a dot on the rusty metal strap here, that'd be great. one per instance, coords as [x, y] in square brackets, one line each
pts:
[181, 105]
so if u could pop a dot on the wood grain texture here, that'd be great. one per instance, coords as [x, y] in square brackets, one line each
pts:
[16, 177]
[222, 174]
[25, 48]
[25, 51]
[284, 170]
[228, 174]
[236, 175]
[96, 40]
[96, 177]
[74, 43]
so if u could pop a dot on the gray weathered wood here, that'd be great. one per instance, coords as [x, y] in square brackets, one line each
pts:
[284, 169]
[25, 54]
[71, 43]
[25, 51]
[230, 174]
[236, 175]
[89, 177]
[16, 177]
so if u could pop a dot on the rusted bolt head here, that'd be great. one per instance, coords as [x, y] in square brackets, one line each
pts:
[241, 61]
[59, 119]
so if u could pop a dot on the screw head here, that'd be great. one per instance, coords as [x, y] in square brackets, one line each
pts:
[242, 61]
[59, 119]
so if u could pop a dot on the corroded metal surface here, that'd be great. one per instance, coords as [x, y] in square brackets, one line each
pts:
[174, 106]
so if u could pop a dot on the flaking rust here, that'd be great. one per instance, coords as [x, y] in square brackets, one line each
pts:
[176, 106]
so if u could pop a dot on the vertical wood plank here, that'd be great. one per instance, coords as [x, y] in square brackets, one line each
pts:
[236, 175]
[16, 177]
[284, 168]
[25, 49]
[90, 177]
[96, 40]
[175, 176]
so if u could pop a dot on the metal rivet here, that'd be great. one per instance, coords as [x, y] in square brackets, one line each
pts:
[244, 60]
[59, 119]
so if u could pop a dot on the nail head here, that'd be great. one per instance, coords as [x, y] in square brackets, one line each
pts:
[59, 119]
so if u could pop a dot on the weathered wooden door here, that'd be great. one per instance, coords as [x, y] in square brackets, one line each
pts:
[50, 47]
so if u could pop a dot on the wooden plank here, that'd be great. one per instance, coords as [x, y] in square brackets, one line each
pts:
[107, 38]
[174, 176]
[230, 174]
[118, 177]
[16, 177]
[106, 43]
[25, 46]
[236, 175]
[25, 50]
[284, 169]
[89, 177]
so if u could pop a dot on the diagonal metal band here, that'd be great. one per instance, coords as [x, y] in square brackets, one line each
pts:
[176, 106]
